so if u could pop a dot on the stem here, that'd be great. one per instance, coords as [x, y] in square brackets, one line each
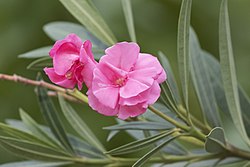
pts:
[169, 119]
[197, 123]
[166, 159]
[194, 132]
[238, 152]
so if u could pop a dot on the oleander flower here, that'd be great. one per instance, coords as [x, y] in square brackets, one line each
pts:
[73, 62]
[125, 81]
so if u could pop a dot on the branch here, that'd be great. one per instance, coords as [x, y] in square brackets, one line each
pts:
[72, 93]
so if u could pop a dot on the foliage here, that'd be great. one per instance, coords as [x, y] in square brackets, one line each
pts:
[168, 134]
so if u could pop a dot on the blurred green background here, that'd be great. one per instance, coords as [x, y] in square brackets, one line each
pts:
[155, 22]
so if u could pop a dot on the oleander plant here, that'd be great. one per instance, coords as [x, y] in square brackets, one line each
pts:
[87, 65]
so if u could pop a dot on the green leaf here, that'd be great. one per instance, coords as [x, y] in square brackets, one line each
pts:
[78, 125]
[228, 71]
[83, 148]
[183, 47]
[245, 108]
[139, 144]
[31, 150]
[40, 63]
[127, 10]
[215, 142]
[60, 29]
[20, 134]
[147, 156]
[37, 53]
[171, 79]
[140, 126]
[213, 66]
[91, 19]
[35, 164]
[112, 134]
[37, 130]
[202, 83]
[50, 114]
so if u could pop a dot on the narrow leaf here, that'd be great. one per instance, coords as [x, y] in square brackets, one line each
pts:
[37, 53]
[202, 83]
[215, 142]
[78, 125]
[31, 150]
[20, 134]
[139, 144]
[183, 47]
[171, 79]
[90, 18]
[37, 130]
[139, 126]
[35, 164]
[228, 70]
[50, 114]
[127, 10]
[60, 29]
[213, 66]
[83, 148]
[40, 63]
[147, 156]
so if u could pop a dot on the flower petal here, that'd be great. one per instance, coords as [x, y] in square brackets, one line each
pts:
[64, 58]
[99, 107]
[111, 72]
[58, 79]
[131, 111]
[147, 61]
[122, 55]
[149, 96]
[145, 76]
[107, 96]
[71, 38]
[132, 88]
[86, 52]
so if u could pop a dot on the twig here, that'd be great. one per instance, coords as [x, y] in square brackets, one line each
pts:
[73, 93]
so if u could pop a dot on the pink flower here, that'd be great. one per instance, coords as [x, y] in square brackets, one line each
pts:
[125, 81]
[73, 62]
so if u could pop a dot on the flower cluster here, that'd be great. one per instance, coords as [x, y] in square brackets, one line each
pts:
[122, 84]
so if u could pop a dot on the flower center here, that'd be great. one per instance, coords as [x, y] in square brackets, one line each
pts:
[120, 82]
[69, 75]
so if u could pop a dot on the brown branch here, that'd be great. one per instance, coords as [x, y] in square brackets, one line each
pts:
[24, 80]
[72, 94]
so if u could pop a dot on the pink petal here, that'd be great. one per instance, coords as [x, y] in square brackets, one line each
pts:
[144, 76]
[122, 55]
[64, 58]
[86, 53]
[58, 79]
[78, 76]
[147, 61]
[107, 96]
[99, 107]
[103, 90]
[154, 93]
[87, 73]
[111, 72]
[132, 88]
[149, 96]
[131, 111]
[71, 38]
[99, 80]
